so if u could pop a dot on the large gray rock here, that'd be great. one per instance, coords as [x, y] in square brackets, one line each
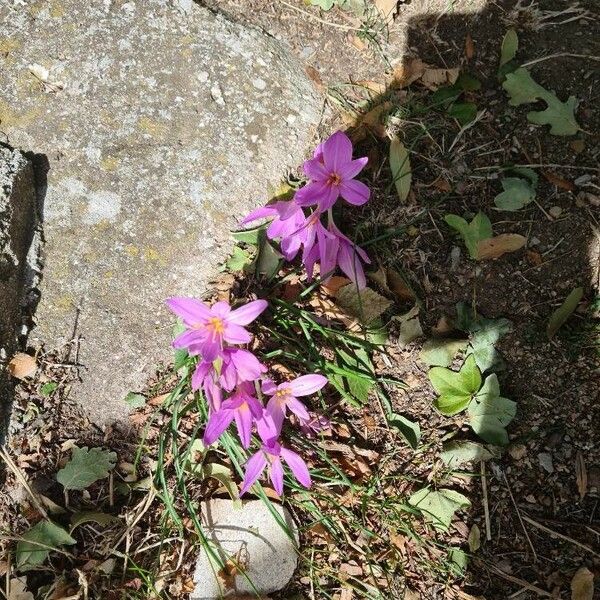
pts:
[250, 537]
[19, 246]
[161, 126]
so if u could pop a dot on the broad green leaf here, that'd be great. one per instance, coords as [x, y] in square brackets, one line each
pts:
[249, 236]
[458, 561]
[377, 333]
[510, 45]
[459, 452]
[400, 166]
[517, 194]
[458, 223]
[480, 228]
[439, 506]
[357, 385]
[444, 96]
[223, 475]
[134, 400]
[86, 467]
[483, 340]
[268, 260]
[180, 358]
[489, 413]
[455, 389]
[559, 115]
[238, 260]
[323, 4]
[39, 541]
[410, 430]
[441, 352]
[48, 388]
[102, 519]
[564, 311]
[463, 112]
[468, 82]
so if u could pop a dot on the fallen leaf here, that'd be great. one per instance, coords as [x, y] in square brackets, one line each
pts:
[335, 283]
[325, 307]
[356, 41]
[314, 76]
[581, 475]
[366, 305]
[510, 45]
[558, 181]
[582, 585]
[474, 539]
[433, 79]
[17, 590]
[369, 121]
[499, 245]
[410, 326]
[534, 257]
[469, 47]
[400, 166]
[158, 400]
[563, 312]
[578, 146]
[22, 366]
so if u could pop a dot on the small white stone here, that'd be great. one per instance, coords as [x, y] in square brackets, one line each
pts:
[546, 463]
[555, 211]
[216, 94]
[202, 77]
[259, 84]
[290, 119]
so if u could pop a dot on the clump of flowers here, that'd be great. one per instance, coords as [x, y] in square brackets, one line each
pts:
[232, 378]
[298, 223]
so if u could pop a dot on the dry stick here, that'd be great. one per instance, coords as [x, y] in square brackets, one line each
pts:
[17, 473]
[535, 557]
[559, 55]
[486, 508]
[518, 581]
[308, 14]
[560, 535]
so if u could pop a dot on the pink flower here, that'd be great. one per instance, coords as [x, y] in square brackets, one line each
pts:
[314, 425]
[271, 455]
[208, 327]
[331, 173]
[241, 406]
[284, 396]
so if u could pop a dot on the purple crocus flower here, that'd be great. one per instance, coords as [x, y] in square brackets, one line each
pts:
[241, 406]
[314, 425]
[270, 455]
[331, 172]
[287, 225]
[207, 327]
[285, 395]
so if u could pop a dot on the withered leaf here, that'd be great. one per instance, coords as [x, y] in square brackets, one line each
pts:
[22, 366]
[581, 475]
[501, 244]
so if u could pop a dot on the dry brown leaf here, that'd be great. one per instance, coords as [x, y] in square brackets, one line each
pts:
[582, 585]
[314, 76]
[351, 569]
[227, 574]
[387, 8]
[534, 257]
[346, 594]
[469, 47]
[398, 286]
[373, 86]
[356, 41]
[433, 79]
[158, 400]
[441, 184]
[407, 72]
[370, 121]
[22, 366]
[411, 594]
[499, 245]
[366, 305]
[558, 181]
[327, 308]
[334, 284]
[581, 474]
[442, 327]
[578, 146]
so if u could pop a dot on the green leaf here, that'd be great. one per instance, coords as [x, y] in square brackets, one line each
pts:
[238, 260]
[268, 260]
[224, 476]
[474, 539]
[439, 506]
[48, 388]
[563, 312]
[86, 467]
[480, 228]
[323, 4]
[444, 96]
[357, 385]
[483, 340]
[249, 236]
[377, 333]
[37, 543]
[134, 400]
[468, 82]
[180, 358]
[517, 194]
[102, 519]
[400, 166]
[489, 413]
[441, 352]
[459, 452]
[458, 561]
[559, 115]
[463, 112]
[455, 389]
[410, 430]
[510, 45]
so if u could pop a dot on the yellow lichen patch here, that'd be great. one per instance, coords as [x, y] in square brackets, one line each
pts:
[8, 45]
[65, 302]
[108, 274]
[109, 163]
[154, 128]
[132, 250]
[151, 254]
[187, 39]
[56, 10]
[11, 118]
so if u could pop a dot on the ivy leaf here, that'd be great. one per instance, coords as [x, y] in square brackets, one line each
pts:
[357, 385]
[268, 260]
[37, 543]
[480, 228]
[48, 388]
[455, 389]
[489, 413]
[460, 452]
[86, 467]
[517, 194]
[559, 115]
[439, 506]
[458, 561]
[400, 166]
[441, 352]
[249, 236]
[563, 312]
[238, 260]
[483, 341]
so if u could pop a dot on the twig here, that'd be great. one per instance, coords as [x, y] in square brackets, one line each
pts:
[560, 535]
[466, 127]
[518, 581]
[486, 508]
[535, 557]
[559, 55]
[329, 23]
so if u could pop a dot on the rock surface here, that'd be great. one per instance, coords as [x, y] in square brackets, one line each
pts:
[161, 127]
[19, 243]
[253, 537]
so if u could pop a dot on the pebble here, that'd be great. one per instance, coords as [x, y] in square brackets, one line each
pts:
[555, 211]
[545, 461]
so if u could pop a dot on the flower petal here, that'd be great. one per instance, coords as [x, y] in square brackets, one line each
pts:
[236, 334]
[247, 313]
[307, 384]
[200, 373]
[254, 467]
[349, 262]
[219, 421]
[276, 412]
[298, 408]
[276, 475]
[337, 151]
[311, 193]
[247, 366]
[211, 348]
[266, 428]
[259, 213]
[192, 311]
[268, 387]
[355, 192]
[189, 337]
[298, 467]
[243, 421]
[221, 309]
[315, 169]
[353, 168]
